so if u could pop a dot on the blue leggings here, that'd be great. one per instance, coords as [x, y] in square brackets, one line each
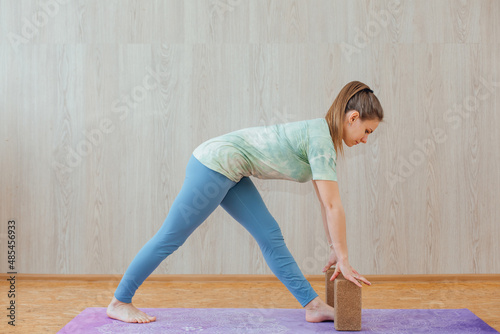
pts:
[202, 192]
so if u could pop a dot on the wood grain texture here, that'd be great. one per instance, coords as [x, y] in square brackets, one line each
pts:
[102, 105]
[46, 306]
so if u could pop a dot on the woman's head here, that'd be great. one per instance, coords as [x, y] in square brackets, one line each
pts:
[355, 113]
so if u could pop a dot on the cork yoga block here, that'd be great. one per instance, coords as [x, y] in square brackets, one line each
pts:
[347, 305]
[330, 294]
[345, 297]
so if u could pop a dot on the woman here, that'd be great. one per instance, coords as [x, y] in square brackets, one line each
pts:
[218, 174]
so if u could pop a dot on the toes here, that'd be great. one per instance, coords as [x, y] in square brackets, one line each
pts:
[147, 318]
[143, 320]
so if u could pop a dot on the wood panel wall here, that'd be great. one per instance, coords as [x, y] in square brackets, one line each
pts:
[102, 104]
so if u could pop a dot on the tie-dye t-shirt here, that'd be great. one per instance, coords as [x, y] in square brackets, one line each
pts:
[297, 151]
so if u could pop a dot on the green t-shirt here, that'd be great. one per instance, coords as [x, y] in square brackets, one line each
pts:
[297, 151]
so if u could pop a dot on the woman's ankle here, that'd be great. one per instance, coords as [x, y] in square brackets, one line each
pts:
[313, 304]
[115, 301]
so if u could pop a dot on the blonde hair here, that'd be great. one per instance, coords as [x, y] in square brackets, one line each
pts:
[354, 96]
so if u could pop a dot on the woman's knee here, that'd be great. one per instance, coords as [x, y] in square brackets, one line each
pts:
[270, 239]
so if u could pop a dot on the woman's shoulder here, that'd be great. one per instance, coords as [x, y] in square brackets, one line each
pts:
[318, 127]
[320, 122]
[307, 123]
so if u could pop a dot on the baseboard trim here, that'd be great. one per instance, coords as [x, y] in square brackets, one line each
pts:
[257, 278]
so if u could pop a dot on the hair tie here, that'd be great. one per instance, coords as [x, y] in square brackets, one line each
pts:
[368, 89]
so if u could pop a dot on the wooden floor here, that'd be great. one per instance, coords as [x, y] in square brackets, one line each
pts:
[45, 306]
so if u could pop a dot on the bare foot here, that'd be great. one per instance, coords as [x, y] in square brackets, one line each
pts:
[317, 311]
[127, 312]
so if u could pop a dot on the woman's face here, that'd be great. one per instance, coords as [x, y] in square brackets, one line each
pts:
[355, 130]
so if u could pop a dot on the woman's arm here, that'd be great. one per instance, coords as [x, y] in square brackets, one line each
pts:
[329, 197]
[323, 215]
[333, 215]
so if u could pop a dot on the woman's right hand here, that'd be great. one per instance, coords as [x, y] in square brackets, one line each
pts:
[332, 260]
[349, 273]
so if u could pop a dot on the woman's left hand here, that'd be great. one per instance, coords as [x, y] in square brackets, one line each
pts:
[332, 260]
[349, 273]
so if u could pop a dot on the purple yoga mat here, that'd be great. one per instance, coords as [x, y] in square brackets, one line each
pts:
[270, 321]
